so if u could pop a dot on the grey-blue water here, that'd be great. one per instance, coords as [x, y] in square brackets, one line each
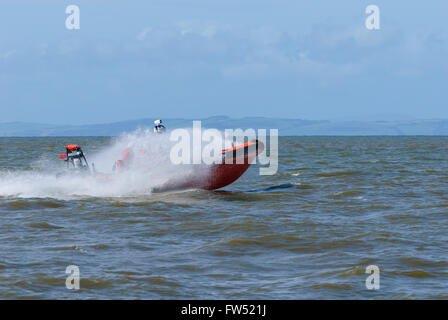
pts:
[336, 206]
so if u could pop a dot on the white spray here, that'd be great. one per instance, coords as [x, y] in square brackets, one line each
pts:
[151, 167]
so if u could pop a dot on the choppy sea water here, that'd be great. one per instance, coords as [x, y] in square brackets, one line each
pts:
[336, 206]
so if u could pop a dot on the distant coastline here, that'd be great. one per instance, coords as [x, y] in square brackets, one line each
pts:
[287, 127]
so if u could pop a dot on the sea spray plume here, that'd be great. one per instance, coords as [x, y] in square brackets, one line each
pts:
[151, 167]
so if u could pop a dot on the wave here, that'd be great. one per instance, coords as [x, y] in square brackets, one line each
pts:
[274, 188]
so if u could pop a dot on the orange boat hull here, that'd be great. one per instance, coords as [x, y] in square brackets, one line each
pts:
[235, 162]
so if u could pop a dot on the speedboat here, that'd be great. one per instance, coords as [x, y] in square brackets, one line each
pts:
[234, 163]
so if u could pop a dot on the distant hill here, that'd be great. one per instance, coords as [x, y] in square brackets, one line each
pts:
[287, 127]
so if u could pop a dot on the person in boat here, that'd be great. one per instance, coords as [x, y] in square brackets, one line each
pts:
[120, 165]
[159, 127]
[128, 155]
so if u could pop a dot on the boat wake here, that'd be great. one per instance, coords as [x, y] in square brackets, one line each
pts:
[151, 168]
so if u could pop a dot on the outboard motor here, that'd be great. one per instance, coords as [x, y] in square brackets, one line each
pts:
[74, 157]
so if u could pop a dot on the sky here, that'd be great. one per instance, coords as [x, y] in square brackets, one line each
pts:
[200, 58]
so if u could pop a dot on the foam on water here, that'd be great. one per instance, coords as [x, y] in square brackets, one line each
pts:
[151, 167]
